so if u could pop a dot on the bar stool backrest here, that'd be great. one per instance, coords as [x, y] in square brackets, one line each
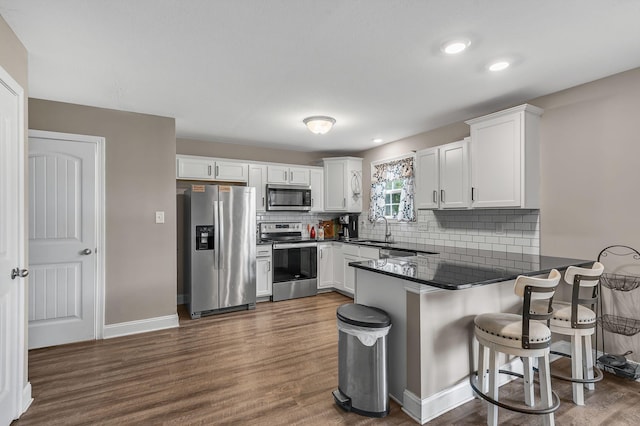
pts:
[532, 288]
[596, 270]
[583, 278]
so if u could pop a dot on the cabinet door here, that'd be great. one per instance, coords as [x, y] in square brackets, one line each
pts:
[258, 179]
[349, 273]
[298, 176]
[427, 179]
[264, 278]
[325, 266]
[338, 267]
[317, 190]
[454, 175]
[195, 168]
[277, 174]
[496, 150]
[335, 197]
[231, 171]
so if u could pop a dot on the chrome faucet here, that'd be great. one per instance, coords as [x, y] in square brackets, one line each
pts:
[387, 233]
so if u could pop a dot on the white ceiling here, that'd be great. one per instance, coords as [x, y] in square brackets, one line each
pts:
[249, 71]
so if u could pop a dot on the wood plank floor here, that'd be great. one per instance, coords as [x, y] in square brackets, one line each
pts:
[276, 365]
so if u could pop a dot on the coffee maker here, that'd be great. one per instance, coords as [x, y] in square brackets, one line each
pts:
[349, 224]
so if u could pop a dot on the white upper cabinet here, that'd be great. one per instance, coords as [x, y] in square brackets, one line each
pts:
[195, 168]
[204, 168]
[442, 177]
[343, 184]
[287, 175]
[428, 178]
[505, 158]
[317, 190]
[232, 171]
[258, 180]
[454, 175]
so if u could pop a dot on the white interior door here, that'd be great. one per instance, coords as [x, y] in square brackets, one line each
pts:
[62, 239]
[12, 261]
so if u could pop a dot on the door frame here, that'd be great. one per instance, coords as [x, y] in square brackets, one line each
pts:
[20, 380]
[99, 141]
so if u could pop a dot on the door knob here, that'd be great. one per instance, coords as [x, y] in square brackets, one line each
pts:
[17, 272]
[86, 252]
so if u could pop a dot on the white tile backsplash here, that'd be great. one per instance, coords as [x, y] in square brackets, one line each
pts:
[509, 230]
[514, 231]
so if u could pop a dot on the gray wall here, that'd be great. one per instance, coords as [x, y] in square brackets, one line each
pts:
[140, 179]
[13, 58]
[246, 152]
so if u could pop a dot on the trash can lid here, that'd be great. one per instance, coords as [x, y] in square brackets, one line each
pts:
[363, 316]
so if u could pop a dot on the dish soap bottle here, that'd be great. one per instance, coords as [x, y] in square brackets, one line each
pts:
[312, 234]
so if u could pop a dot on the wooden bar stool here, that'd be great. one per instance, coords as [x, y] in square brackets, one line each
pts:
[578, 320]
[526, 336]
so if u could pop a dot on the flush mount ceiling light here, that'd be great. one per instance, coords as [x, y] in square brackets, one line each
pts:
[319, 124]
[377, 140]
[455, 46]
[498, 66]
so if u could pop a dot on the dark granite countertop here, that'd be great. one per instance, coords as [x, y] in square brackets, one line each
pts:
[457, 268]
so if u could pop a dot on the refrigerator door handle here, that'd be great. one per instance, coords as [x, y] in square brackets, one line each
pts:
[220, 234]
[216, 236]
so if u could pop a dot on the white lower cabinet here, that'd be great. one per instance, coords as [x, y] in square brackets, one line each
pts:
[353, 253]
[349, 273]
[325, 265]
[264, 274]
[338, 269]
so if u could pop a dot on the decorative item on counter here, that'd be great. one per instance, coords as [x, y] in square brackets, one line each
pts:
[320, 233]
[313, 232]
[327, 227]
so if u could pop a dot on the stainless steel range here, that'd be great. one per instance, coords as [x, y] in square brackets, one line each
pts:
[294, 260]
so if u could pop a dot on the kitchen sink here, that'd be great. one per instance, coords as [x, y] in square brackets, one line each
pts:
[387, 253]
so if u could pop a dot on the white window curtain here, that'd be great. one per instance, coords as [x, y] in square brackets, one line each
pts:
[390, 171]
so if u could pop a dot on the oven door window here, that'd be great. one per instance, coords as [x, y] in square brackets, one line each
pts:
[292, 264]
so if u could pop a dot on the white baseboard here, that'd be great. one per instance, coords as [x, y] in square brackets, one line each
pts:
[424, 410]
[140, 326]
[26, 397]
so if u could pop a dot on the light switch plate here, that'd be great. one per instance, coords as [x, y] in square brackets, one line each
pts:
[159, 217]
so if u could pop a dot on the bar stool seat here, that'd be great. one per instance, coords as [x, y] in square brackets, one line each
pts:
[527, 336]
[562, 314]
[506, 330]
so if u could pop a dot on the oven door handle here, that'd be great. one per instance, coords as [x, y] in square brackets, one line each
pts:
[294, 245]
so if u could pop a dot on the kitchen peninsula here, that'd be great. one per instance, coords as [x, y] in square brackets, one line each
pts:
[432, 301]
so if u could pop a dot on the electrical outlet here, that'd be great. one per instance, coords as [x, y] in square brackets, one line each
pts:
[423, 227]
[499, 229]
[159, 217]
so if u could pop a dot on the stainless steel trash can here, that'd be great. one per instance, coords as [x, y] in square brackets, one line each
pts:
[363, 385]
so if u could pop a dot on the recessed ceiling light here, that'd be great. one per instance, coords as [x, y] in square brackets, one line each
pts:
[378, 140]
[499, 66]
[455, 46]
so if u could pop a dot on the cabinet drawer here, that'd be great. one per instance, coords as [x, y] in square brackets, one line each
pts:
[263, 250]
[351, 249]
[369, 252]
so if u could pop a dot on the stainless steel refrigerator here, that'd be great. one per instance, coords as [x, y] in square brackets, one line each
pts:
[220, 249]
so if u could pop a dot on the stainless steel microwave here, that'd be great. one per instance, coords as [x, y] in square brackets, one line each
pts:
[288, 197]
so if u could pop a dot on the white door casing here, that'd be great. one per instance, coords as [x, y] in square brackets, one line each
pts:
[65, 217]
[15, 391]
